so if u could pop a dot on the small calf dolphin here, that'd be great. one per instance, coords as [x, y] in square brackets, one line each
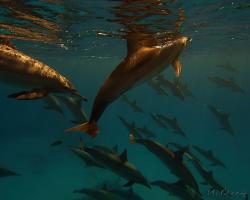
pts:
[6, 172]
[179, 189]
[173, 123]
[173, 160]
[145, 59]
[21, 70]
[210, 156]
[222, 118]
[133, 104]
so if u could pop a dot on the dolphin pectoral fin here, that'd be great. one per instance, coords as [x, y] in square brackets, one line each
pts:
[177, 66]
[88, 127]
[129, 184]
[29, 95]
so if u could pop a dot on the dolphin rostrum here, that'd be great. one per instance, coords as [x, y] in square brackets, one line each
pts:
[16, 68]
[145, 59]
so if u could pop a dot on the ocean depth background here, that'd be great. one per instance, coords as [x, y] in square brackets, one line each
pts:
[53, 173]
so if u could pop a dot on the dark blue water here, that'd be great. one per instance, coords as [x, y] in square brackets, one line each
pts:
[220, 34]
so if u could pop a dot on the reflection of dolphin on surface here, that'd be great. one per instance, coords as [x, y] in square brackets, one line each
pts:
[210, 156]
[146, 57]
[133, 104]
[226, 83]
[21, 70]
[222, 118]
[179, 189]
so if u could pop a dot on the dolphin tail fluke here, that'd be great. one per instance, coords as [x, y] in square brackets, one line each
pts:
[90, 128]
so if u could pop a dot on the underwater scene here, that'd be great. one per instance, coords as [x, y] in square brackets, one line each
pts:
[124, 99]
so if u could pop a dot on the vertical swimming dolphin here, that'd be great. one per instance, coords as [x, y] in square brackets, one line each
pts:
[145, 59]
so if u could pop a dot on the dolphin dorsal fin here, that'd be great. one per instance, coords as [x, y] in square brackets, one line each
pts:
[115, 148]
[123, 156]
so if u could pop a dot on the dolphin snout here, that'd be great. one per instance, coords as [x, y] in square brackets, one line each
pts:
[185, 40]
